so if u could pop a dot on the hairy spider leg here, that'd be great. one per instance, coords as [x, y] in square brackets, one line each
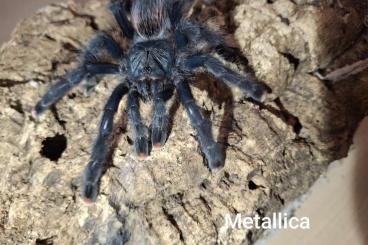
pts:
[118, 10]
[102, 42]
[254, 89]
[58, 90]
[201, 124]
[160, 121]
[199, 34]
[177, 10]
[91, 65]
[141, 141]
[97, 164]
[93, 56]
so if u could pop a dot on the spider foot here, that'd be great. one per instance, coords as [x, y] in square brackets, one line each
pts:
[89, 86]
[258, 92]
[88, 91]
[159, 132]
[39, 109]
[35, 115]
[142, 148]
[89, 192]
[158, 137]
[215, 157]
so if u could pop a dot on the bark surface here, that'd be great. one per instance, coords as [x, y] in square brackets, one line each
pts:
[274, 151]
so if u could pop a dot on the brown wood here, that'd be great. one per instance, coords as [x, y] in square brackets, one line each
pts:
[274, 151]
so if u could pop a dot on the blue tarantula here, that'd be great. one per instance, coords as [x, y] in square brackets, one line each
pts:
[166, 49]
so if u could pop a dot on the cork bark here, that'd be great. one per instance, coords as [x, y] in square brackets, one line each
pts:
[274, 151]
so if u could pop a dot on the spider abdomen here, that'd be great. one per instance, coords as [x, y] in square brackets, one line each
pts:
[150, 18]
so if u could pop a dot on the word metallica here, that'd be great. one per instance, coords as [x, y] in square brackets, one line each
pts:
[276, 221]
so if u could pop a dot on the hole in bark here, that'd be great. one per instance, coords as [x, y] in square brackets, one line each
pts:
[206, 184]
[260, 212]
[17, 105]
[53, 147]
[129, 140]
[250, 236]
[252, 186]
[46, 241]
[289, 118]
[72, 96]
[284, 20]
[70, 47]
[292, 59]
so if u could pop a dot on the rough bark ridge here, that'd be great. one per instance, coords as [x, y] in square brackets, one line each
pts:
[274, 151]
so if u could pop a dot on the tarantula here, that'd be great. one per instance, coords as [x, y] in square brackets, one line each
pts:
[166, 49]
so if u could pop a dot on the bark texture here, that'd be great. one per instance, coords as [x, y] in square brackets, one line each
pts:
[274, 152]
